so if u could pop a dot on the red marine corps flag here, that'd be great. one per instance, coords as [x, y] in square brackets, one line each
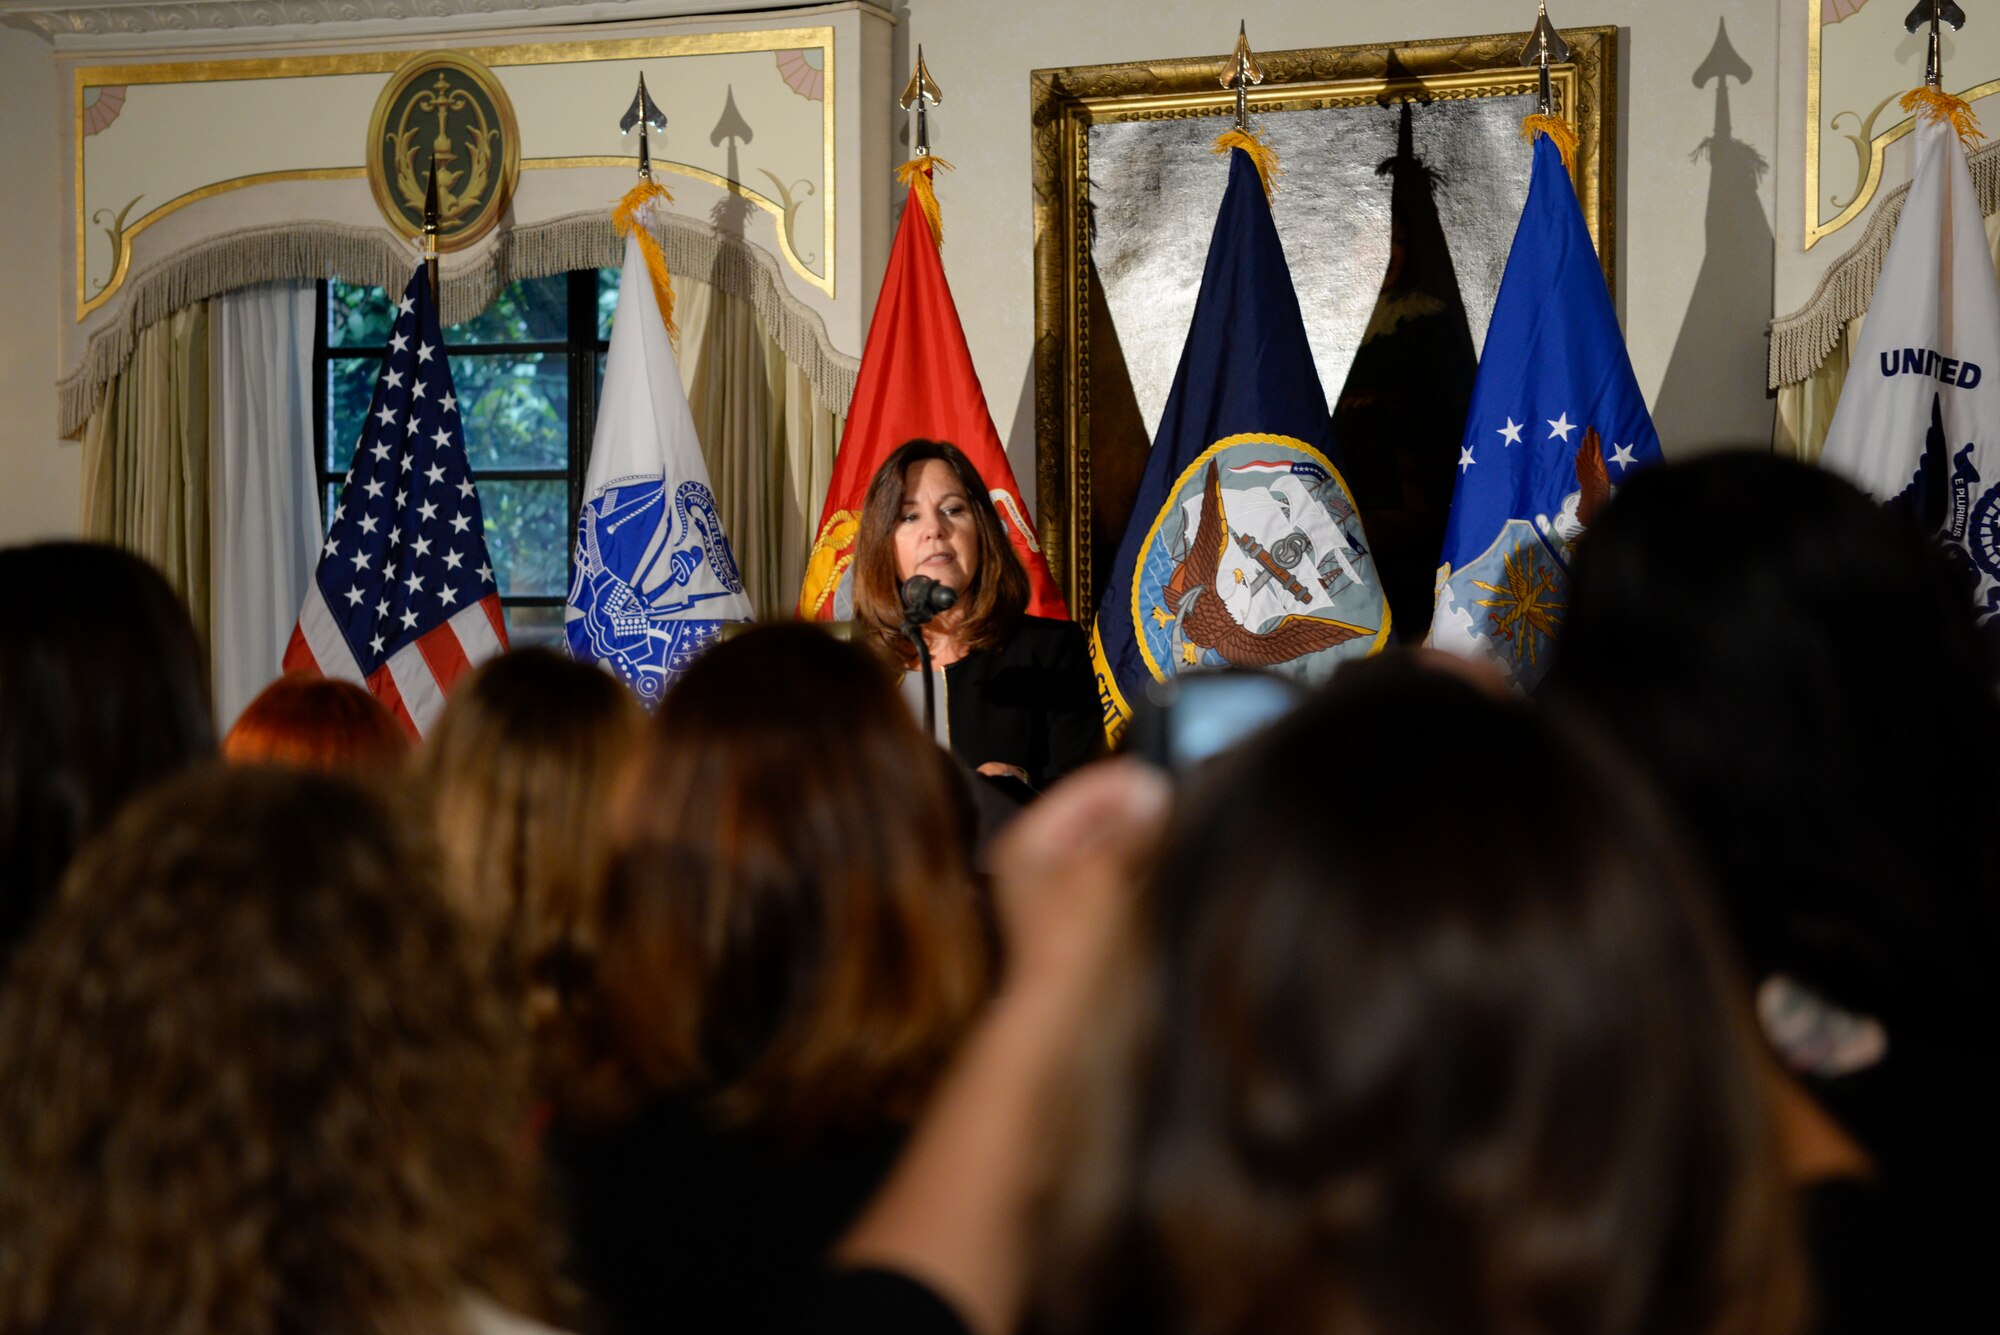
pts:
[916, 381]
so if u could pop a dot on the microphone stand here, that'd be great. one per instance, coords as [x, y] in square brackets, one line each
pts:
[914, 620]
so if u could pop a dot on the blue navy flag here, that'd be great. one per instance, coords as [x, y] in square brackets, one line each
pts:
[1556, 423]
[655, 577]
[404, 600]
[1244, 548]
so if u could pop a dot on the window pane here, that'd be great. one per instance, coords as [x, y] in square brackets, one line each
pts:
[515, 409]
[331, 499]
[607, 301]
[350, 387]
[534, 310]
[358, 317]
[527, 533]
[535, 625]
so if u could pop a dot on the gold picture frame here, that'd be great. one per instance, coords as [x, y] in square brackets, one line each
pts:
[1087, 478]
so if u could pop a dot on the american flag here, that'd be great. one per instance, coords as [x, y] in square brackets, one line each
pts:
[404, 599]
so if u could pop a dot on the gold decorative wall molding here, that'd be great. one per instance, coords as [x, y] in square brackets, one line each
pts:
[1857, 68]
[115, 219]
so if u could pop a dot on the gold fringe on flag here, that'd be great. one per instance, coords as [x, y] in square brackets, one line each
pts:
[1560, 132]
[916, 174]
[1942, 107]
[1262, 155]
[628, 218]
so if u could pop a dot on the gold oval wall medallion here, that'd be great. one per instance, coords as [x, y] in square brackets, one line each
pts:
[448, 109]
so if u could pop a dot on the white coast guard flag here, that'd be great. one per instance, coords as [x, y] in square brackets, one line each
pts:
[1918, 426]
[655, 579]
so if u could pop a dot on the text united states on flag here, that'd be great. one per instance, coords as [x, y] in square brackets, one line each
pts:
[404, 599]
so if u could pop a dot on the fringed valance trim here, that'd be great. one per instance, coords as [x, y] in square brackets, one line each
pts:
[370, 255]
[1801, 341]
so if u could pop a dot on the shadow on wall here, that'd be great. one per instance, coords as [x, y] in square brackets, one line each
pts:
[1715, 378]
[1400, 417]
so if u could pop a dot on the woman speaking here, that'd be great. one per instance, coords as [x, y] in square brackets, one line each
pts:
[1015, 696]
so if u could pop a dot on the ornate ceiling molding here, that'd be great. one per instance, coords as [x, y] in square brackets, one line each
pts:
[97, 21]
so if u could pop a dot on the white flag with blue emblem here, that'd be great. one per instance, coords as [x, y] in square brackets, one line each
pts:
[1918, 426]
[655, 577]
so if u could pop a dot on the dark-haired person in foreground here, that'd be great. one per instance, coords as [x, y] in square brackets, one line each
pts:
[256, 1082]
[789, 950]
[1800, 671]
[1016, 699]
[1367, 1062]
[103, 693]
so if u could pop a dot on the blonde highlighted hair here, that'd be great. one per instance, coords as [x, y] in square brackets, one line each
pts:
[518, 776]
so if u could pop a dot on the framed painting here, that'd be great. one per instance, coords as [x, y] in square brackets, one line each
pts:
[1403, 177]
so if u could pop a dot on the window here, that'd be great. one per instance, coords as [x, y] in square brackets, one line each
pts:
[527, 371]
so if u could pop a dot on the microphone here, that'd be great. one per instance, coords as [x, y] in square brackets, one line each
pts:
[924, 598]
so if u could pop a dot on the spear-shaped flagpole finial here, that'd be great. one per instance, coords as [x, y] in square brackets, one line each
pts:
[646, 116]
[1936, 13]
[1545, 47]
[432, 216]
[919, 95]
[1242, 71]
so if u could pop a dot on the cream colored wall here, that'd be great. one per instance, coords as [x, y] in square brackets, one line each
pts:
[981, 54]
[39, 474]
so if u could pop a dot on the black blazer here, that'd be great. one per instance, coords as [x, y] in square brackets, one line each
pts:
[1032, 702]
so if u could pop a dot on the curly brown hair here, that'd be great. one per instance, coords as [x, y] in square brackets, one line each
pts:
[256, 1083]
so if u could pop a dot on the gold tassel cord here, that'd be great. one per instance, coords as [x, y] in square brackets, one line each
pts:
[1560, 132]
[916, 174]
[1937, 105]
[629, 218]
[1262, 156]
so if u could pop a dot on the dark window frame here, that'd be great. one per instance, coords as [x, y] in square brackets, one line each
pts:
[580, 350]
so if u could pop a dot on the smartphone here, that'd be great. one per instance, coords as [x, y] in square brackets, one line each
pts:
[1195, 716]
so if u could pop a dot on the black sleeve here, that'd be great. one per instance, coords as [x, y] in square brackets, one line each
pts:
[1076, 723]
[881, 1302]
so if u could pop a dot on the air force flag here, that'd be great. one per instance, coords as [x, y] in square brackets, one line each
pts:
[1918, 424]
[655, 579]
[1556, 422]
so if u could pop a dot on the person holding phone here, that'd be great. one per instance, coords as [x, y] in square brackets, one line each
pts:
[1015, 696]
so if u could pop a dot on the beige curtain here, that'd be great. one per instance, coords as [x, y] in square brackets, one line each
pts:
[145, 457]
[1805, 409]
[767, 436]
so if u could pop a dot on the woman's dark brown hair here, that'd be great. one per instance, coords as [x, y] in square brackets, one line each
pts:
[999, 591]
[103, 693]
[518, 775]
[790, 932]
[255, 1081]
[1430, 1033]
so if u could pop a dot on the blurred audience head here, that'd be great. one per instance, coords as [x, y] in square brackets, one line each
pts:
[790, 931]
[320, 723]
[518, 774]
[991, 584]
[103, 692]
[1800, 671]
[1426, 1031]
[255, 1081]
